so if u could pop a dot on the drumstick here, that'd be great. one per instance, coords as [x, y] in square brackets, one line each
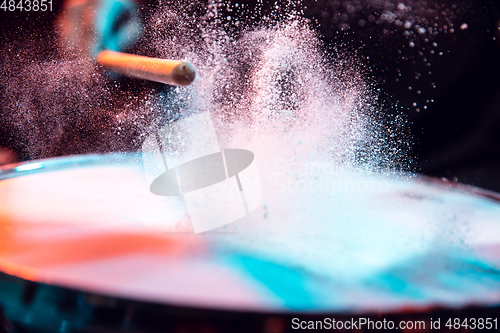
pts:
[175, 72]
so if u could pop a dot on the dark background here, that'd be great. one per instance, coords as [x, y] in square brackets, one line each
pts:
[457, 136]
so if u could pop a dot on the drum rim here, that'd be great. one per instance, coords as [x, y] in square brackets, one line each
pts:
[464, 188]
[14, 170]
[407, 310]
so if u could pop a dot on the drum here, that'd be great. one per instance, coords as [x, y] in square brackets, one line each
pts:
[86, 247]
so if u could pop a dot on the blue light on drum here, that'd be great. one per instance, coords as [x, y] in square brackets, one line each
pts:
[29, 167]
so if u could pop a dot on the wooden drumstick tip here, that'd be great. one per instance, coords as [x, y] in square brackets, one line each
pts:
[183, 74]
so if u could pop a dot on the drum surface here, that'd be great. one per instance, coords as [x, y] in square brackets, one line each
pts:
[90, 223]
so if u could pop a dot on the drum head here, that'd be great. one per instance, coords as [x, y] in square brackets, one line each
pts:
[370, 243]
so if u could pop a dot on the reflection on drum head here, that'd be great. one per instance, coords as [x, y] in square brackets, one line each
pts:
[90, 223]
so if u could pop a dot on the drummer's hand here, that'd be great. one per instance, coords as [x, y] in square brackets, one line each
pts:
[90, 26]
[7, 156]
